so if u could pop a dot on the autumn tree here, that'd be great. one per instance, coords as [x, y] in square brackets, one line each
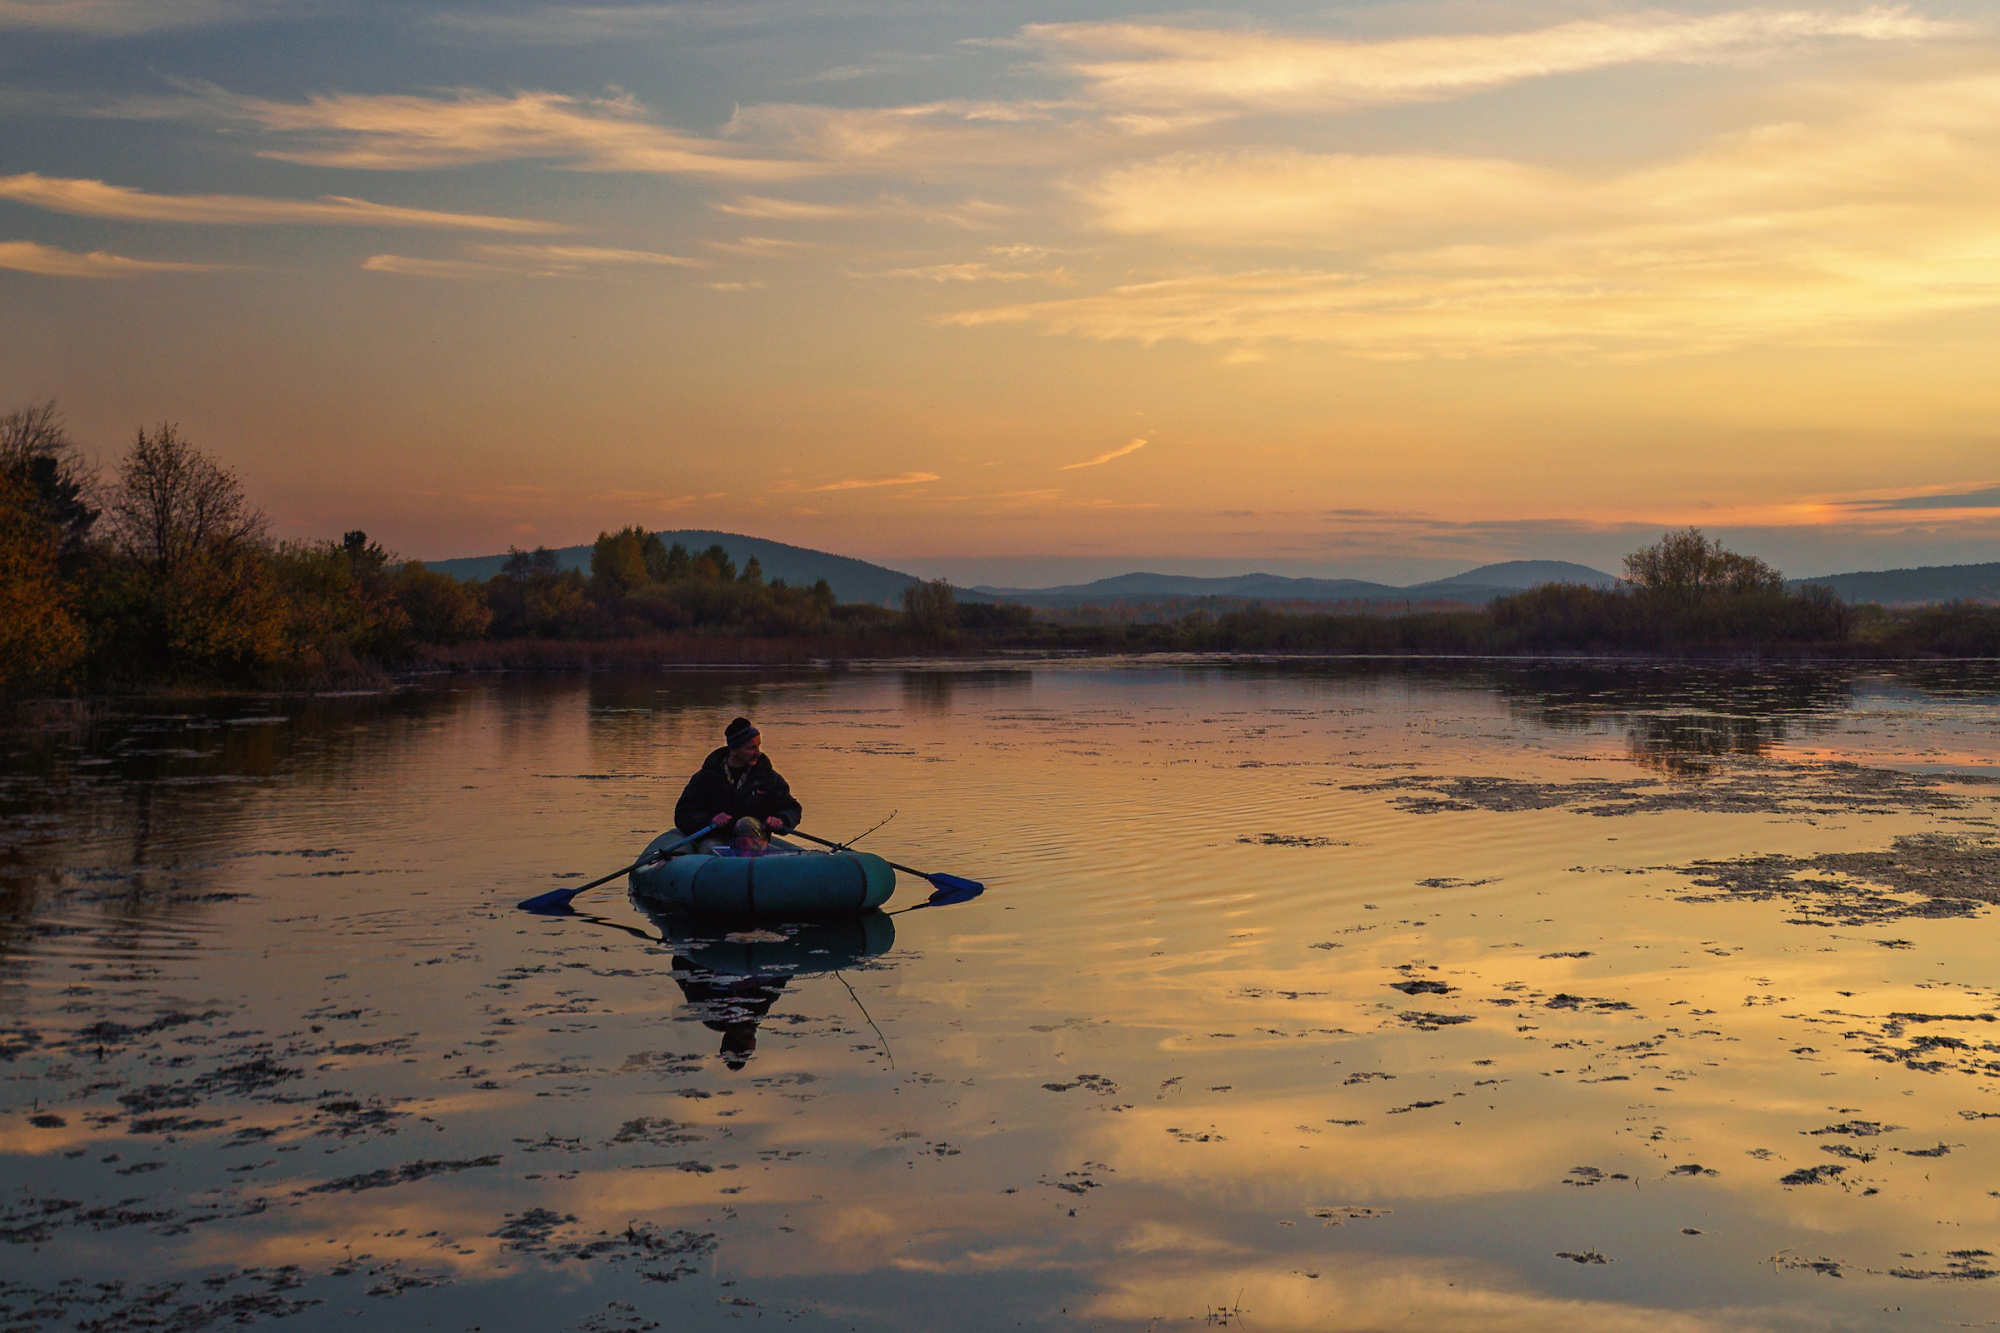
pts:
[618, 560]
[671, 563]
[45, 522]
[441, 609]
[1684, 569]
[199, 594]
[37, 452]
[931, 609]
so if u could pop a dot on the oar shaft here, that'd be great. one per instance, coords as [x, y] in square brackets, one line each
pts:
[824, 843]
[608, 878]
[555, 898]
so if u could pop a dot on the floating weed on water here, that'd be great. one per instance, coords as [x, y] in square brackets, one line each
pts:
[1823, 1266]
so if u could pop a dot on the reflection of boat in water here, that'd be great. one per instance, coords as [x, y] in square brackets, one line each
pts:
[735, 976]
[790, 884]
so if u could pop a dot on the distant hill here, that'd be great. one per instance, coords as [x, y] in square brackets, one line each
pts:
[1912, 587]
[1474, 585]
[852, 580]
[1519, 574]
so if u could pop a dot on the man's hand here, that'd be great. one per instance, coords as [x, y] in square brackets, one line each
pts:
[775, 824]
[721, 821]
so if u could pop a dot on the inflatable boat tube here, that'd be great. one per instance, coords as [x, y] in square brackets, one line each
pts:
[778, 887]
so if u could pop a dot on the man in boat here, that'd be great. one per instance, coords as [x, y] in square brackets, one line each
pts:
[737, 782]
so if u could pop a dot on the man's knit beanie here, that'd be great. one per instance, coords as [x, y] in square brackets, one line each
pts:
[738, 733]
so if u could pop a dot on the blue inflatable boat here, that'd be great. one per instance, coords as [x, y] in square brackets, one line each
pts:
[788, 882]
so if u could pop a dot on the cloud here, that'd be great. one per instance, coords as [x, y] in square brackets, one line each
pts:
[945, 135]
[1986, 497]
[49, 261]
[1132, 448]
[29, 257]
[578, 25]
[557, 257]
[1790, 233]
[527, 261]
[402, 132]
[1177, 70]
[413, 267]
[89, 198]
[788, 210]
[125, 18]
[1265, 195]
[864, 483]
[968, 272]
[764, 247]
[971, 214]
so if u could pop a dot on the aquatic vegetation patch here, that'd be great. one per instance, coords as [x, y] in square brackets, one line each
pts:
[396, 1175]
[113, 1306]
[1768, 787]
[1948, 874]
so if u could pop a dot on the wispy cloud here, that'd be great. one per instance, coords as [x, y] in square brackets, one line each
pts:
[764, 247]
[1795, 233]
[970, 271]
[403, 132]
[90, 198]
[1330, 199]
[1130, 448]
[583, 256]
[952, 134]
[865, 483]
[789, 210]
[578, 25]
[29, 257]
[125, 18]
[1177, 69]
[1984, 498]
[526, 261]
[410, 266]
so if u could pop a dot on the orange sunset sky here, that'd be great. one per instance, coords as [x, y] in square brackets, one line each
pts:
[1030, 293]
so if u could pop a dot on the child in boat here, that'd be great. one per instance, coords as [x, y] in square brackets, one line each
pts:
[751, 838]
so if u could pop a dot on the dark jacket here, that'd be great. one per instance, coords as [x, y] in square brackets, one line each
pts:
[758, 793]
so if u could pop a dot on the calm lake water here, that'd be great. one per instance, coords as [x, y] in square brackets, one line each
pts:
[1315, 997]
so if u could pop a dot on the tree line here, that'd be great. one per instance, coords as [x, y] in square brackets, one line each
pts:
[162, 572]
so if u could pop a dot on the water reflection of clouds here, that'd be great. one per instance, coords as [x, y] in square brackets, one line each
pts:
[1406, 1294]
[1146, 945]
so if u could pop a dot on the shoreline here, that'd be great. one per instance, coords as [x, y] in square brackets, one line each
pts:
[574, 657]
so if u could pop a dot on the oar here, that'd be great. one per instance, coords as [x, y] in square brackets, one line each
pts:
[969, 888]
[962, 892]
[556, 899]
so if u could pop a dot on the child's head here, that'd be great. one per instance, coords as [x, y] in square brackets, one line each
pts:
[752, 830]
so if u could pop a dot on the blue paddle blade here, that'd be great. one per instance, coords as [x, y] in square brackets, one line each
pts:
[555, 900]
[951, 889]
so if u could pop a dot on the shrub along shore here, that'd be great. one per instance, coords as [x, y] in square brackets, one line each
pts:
[162, 575]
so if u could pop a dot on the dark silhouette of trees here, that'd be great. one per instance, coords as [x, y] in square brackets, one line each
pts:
[194, 593]
[618, 561]
[930, 610]
[37, 452]
[1684, 569]
[45, 522]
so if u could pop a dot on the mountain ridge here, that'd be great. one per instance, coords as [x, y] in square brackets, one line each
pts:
[856, 580]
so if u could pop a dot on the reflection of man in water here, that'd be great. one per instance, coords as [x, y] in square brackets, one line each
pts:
[737, 1003]
[737, 782]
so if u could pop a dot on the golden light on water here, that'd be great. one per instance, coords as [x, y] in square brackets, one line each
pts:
[1339, 996]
